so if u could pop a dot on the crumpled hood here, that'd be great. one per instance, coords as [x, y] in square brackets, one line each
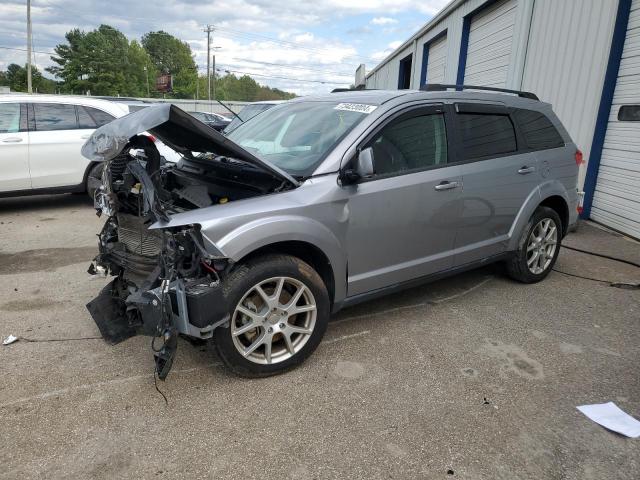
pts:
[175, 128]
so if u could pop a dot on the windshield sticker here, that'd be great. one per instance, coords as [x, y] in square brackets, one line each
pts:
[355, 107]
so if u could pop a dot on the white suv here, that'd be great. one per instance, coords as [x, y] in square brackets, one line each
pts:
[40, 141]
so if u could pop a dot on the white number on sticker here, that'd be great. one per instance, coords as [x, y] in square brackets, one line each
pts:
[355, 107]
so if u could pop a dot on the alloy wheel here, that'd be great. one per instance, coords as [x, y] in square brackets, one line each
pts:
[273, 320]
[541, 246]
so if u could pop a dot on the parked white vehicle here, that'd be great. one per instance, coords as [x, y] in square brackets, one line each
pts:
[40, 141]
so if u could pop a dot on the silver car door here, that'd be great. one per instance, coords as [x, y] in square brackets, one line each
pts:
[402, 221]
[499, 176]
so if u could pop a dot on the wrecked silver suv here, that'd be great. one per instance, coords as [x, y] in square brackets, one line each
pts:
[254, 239]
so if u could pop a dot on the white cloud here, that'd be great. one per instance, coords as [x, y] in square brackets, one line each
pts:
[382, 54]
[243, 24]
[304, 38]
[383, 21]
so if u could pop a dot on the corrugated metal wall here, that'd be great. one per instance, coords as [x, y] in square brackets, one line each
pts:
[490, 45]
[566, 60]
[616, 201]
[436, 67]
[559, 50]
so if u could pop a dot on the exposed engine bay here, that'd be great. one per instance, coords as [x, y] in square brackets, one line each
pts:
[166, 281]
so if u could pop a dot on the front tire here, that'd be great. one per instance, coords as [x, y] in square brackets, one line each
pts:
[538, 248]
[279, 311]
[94, 179]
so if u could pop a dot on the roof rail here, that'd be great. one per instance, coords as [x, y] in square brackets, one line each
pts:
[438, 87]
[359, 88]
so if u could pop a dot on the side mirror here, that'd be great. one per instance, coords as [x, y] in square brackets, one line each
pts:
[365, 163]
[363, 167]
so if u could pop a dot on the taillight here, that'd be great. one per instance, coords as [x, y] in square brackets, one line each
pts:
[579, 157]
[153, 139]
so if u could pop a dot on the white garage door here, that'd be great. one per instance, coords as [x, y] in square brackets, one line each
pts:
[490, 40]
[616, 201]
[437, 61]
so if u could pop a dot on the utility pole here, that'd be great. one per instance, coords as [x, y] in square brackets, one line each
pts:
[214, 76]
[29, 86]
[209, 31]
[146, 72]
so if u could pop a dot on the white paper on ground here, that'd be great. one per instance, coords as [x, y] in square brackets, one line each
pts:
[610, 416]
[9, 340]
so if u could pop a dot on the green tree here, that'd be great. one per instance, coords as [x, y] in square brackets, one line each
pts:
[15, 78]
[101, 61]
[245, 88]
[141, 78]
[171, 55]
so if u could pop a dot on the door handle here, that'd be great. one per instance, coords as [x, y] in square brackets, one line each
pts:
[524, 170]
[12, 140]
[446, 185]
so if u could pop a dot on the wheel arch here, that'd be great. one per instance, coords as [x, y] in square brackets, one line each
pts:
[550, 194]
[560, 206]
[306, 252]
[294, 235]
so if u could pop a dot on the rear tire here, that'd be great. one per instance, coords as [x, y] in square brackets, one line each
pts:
[278, 313]
[538, 248]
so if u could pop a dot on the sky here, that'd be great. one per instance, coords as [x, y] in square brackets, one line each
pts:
[291, 45]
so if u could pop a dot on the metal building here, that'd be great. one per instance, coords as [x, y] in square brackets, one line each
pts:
[582, 56]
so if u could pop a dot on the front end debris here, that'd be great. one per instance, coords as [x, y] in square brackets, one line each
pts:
[166, 283]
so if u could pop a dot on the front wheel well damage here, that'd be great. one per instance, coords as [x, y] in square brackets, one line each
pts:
[85, 176]
[559, 205]
[306, 252]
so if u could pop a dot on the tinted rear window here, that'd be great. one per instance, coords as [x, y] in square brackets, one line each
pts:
[539, 133]
[55, 116]
[485, 135]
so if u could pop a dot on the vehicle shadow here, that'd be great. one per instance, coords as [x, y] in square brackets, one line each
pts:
[441, 291]
[45, 202]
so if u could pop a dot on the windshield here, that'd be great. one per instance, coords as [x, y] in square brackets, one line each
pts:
[297, 136]
[247, 113]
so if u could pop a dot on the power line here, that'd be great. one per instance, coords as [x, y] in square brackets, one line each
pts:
[26, 50]
[229, 70]
[299, 67]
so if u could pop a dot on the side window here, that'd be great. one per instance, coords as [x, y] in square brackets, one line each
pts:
[483, 135]
[9, 117]
[84, 119]
[539, 133]
[93, 116]
[410, 144]
[54, 116]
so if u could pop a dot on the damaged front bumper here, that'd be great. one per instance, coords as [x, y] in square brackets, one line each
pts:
[194, 309]
[166, 284]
